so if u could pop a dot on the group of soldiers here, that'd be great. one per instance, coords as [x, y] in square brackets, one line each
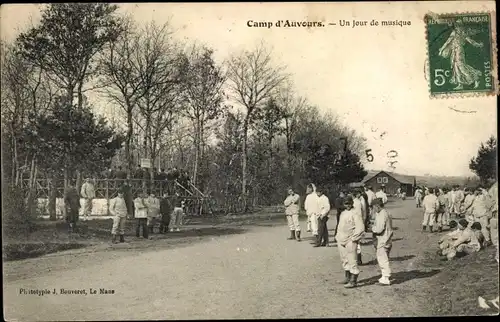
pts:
[358, 212]
[148, 212]
[147, 209]
[475, 214]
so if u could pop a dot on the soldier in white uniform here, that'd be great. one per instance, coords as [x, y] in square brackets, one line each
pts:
[87, 192]
[292, 214]
[350, 231]
[311, 207]
[382, 229]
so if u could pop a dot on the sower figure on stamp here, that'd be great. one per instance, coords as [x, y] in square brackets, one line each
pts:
[72, 204]
[311, 207]
[292, 214]
[454, 49]
[118, 209]
[350, 230]
[323, 210]
[382, 230]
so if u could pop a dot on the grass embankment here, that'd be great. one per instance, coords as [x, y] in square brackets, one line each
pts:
[462, 281]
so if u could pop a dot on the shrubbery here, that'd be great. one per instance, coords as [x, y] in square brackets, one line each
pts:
[17, 217]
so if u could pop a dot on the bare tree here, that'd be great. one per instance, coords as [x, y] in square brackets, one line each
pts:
[159, 68]
[203, 96]
[253, 79]
[121, 75]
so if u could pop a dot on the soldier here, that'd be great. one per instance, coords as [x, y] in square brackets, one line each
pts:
[153, 211]
[418, 197]
[382, 229]
[141, 214]
[88, 194]
[359, 208]
[350, 231]
[177, 214]
[311, 207]
[431, 205]
[323, 209]
[118, 209]
[381, 194]
[292, 214]
[481, 213]
[339, 206]
[72, 203]
[166, 209]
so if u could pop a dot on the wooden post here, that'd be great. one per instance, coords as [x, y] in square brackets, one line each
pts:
[107, 197]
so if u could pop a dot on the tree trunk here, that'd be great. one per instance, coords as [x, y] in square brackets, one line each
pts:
[52, 198]
[244, 164]
[128, 140]
[80, 94]
[196, 151]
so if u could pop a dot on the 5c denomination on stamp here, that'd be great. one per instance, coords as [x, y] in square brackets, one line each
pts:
[461, 54]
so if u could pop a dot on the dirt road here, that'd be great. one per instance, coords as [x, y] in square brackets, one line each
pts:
[256, 274]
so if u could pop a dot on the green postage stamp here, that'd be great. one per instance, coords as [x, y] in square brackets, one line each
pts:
[461, 54]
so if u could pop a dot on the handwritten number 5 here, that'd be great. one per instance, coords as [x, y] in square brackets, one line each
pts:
[369, 156]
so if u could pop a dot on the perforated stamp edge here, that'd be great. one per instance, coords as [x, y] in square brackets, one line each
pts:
[494, 57]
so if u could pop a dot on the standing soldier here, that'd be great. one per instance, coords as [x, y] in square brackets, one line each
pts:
[466, 207]
[118, 209]
[141, 214]
[165, 211]
[358, 207]
[370, 197]
[88, 194]
[382, 229]
[381, 194]
[311, 207]
[177, 214]
[323, 209]
[480, 212]
[418, 197]
[459, 200]
[72, 204]
[292, 214]
[350, 230]
[431, 205]
[339, 206]
[153, 211]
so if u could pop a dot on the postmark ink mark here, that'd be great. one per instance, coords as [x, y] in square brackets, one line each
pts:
[460, 54]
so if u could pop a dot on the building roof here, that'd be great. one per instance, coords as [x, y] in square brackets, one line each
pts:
[398, 177]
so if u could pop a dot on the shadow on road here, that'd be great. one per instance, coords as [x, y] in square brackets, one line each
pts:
[199, 232]
[392, 259]
[401, 277]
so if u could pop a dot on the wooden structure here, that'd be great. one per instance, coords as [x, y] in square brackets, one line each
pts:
[391, 181]
[196, 202]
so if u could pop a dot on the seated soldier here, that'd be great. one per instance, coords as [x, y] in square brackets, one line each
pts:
[447, 240]
[469, 241]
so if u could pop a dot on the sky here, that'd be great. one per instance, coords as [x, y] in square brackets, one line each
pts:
[372, 77]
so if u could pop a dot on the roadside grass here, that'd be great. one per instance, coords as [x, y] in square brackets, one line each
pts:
[462, 281]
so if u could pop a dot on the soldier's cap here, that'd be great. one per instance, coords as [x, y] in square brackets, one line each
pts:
[453, 224]
[348, 200]
[377, 202]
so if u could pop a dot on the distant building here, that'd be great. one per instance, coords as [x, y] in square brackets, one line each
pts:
[391, 181]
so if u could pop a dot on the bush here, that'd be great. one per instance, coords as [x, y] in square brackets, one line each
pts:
[16, 215]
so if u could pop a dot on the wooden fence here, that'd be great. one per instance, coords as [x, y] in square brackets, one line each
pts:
[105, 189]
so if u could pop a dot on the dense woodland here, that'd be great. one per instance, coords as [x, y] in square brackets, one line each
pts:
[239, 128]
